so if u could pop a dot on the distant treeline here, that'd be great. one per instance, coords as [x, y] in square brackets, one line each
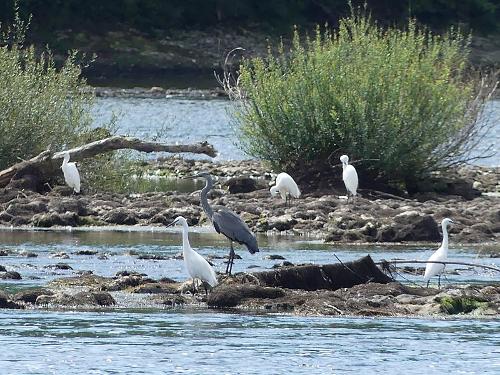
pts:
[482, 16]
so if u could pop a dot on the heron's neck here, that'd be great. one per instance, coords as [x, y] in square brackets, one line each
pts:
[185, 238]
[444, 244]
[203, 197]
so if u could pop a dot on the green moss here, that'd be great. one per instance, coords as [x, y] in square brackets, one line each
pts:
[457, 305]
[90, 221]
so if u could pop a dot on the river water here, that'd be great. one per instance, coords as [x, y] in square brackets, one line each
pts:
[200, 341]
[187, 120]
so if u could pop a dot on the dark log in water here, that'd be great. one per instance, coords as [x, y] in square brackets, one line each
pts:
[46, 164]
[328, 276]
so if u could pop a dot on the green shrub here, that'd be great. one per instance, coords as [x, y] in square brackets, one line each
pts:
[40, 105]
[400, 99]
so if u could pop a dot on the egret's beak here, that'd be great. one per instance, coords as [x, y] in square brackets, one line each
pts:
[171, 224]
[452, 222]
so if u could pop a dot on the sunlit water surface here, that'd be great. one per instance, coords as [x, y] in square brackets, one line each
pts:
[187, 120]
[200, 341]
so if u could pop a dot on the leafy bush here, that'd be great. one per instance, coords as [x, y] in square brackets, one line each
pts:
[40, 105]
[400, 99]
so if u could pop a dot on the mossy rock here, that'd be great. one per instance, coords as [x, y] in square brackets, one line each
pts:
[460, 305]
[90, 221]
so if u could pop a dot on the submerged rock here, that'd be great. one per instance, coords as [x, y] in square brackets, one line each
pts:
[7, 303]
[85, 298]
[30, 295]
[10, 275]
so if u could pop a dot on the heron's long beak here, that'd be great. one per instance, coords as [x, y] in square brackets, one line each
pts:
[170, 224]
[191, 177]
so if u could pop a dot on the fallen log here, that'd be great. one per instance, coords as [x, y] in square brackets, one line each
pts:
[47, 163]
[328, 276]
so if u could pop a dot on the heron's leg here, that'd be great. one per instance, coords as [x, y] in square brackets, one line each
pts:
[230, 261]
[428, 281]
[439, 281]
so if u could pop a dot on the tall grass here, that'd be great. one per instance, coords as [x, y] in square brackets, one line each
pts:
[402, 100]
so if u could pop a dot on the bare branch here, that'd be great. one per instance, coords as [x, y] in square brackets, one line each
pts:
[48, 162]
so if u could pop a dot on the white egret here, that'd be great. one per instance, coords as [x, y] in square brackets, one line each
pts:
[227, 223]
[71, 174]
[196, 266]
[286, 187]
[440, 255]
[349, 175]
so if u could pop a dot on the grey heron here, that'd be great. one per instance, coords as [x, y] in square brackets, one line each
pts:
[226, 222]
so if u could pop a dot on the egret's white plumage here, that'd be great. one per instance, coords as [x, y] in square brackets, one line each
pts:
[285, 186]
[71, 174]
[196, 265]
[349, 175]
[440, 255]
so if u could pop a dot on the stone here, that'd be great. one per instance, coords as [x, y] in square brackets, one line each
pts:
[30, 295]
[7, 303]
[10, 275]
[237, 185]
[410, 227]
[55, 219]
[59, 266]
[85, 252]
[232, 295]
[121, 216]
[84, 298]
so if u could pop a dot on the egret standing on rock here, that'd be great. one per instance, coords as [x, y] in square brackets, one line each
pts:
[196, 265]
[227, 223]
[440, 255]
[71, 174]
[349, 175]
[286, 187]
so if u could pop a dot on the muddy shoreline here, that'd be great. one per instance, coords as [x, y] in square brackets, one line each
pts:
[130, 290]
[243, 186]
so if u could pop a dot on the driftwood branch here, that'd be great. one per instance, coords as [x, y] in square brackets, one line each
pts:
[46, 162]
[385, 262]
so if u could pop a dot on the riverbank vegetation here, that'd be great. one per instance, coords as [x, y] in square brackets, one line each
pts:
[98, 16]
[402, 102]
[42, 107]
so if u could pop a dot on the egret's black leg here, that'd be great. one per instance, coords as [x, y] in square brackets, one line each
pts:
[193, 288]
[428, 281]
[206, 290]
[439, 281]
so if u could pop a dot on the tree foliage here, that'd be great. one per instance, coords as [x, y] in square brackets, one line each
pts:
[148, 15]
[402, 99]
